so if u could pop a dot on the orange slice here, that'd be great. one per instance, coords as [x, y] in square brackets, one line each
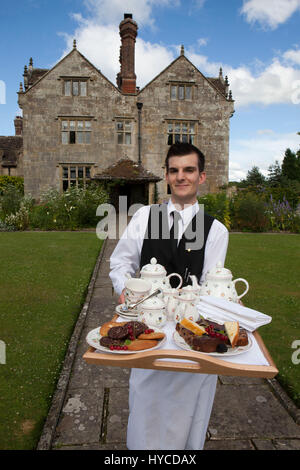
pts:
[192, 326]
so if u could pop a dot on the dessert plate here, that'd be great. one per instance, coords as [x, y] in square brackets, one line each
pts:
[128, 316]
[180, 342]
[93, 339]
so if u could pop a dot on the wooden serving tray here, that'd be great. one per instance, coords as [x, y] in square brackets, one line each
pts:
[202, 364]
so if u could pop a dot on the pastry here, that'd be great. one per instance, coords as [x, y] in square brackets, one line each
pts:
[140, 344]
[118, 332]
[109, 324]
[232, 330]
[154, 335]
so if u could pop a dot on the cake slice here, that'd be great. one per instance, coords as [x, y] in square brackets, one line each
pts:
[232, 330]
[192, 326]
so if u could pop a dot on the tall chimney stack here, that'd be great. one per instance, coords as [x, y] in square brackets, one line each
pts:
[126, 78]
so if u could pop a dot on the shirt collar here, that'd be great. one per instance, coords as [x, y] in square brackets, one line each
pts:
[186, 214]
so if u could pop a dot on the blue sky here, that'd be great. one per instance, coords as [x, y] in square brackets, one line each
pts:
[256, 42]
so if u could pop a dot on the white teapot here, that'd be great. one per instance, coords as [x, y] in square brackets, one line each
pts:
[152, 312]
[194, 288]
[157, 275]
[186, 307]
[219, 283]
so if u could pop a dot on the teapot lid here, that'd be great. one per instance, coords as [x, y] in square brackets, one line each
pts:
[154, 303]
[154, 268]
[219, 272]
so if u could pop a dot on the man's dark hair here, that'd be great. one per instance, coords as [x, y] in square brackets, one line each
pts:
[180, 149]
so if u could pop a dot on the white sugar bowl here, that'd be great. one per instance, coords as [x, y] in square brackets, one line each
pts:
[152, 312]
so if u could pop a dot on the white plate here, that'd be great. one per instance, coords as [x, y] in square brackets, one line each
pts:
[130, 316]
[93, 338]
[179, 341]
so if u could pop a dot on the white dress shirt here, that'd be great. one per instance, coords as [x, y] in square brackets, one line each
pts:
[127, 254]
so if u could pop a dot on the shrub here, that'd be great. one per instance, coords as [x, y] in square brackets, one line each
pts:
[249, 212]
[218, 206]
[8, 181]
[281, 215]
[69, 210]
[10, 201]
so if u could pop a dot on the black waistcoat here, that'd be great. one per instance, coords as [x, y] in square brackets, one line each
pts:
[188, 258]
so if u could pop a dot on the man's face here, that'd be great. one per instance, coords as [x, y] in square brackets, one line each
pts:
[184, 178]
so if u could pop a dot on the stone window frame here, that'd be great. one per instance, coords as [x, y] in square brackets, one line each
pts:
[77, 174]
[181, 95]
[78, 128]
[121, 132]
[72, 81]
[181, 127]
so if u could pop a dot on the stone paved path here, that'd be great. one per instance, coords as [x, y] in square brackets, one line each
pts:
[90, 408]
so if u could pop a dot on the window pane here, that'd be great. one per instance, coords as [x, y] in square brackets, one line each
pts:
[64, 137]
[181, 92]
[64, 125]
[75, 89]
[127, 126]
[80, 172]
[119, 126]
[73, 183]
[170, 139]
[80, 137]
[184, 138]
[188, 92]
[83, 88]
[72, 125]
[87, 137]
[65, 185]
[127, 139]
[73, 172]
[173, 92]
[67, 88]
[80, 125]
[177, 138]
[120, 138]
[65, 172]
[87, 172]
[87, 124]
[192, 139]
[72, 137]
[177, 127]
[192, 128]
[170, 127]
[184, 127]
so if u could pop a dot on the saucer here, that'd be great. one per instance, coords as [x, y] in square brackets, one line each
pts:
[131, 315]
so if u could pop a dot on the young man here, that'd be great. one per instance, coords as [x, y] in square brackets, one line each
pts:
[171, 410]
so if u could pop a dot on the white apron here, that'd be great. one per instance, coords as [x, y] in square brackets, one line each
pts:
[169, 410]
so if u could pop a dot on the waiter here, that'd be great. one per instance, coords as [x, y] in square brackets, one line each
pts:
[171, 410]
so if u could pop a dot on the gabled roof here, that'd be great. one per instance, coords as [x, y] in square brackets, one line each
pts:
[126, 170]
[214, 82]
[38, 74]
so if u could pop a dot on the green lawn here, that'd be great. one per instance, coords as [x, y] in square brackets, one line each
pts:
[270, 263]
[43, 279]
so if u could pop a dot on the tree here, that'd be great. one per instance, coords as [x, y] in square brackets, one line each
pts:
[290, 165]
[274, 174]
[254, 178]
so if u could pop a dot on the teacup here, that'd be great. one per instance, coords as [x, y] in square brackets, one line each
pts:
[135, 290]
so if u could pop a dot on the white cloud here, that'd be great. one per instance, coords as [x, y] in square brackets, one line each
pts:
[269, 13]
[260, 151]
[292, 56]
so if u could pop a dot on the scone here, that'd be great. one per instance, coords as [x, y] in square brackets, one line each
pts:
[140, 344]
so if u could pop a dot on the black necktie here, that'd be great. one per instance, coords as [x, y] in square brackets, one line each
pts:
[174, 231]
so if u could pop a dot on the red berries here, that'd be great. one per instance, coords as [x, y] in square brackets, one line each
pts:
[211, 332]
[118, 348]
[147, 332]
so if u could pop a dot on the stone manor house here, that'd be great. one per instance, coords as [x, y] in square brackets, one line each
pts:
[78, 126]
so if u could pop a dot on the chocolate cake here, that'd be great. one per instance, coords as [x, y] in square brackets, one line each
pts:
[118, 332]
[208, 343]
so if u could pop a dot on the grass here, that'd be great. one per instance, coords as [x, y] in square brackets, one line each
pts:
[270, 263]
[43, 279]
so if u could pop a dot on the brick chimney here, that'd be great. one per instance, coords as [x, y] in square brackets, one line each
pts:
[18, 125]
[126, 78]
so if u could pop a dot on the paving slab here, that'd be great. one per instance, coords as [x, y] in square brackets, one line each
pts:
[89, 410]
